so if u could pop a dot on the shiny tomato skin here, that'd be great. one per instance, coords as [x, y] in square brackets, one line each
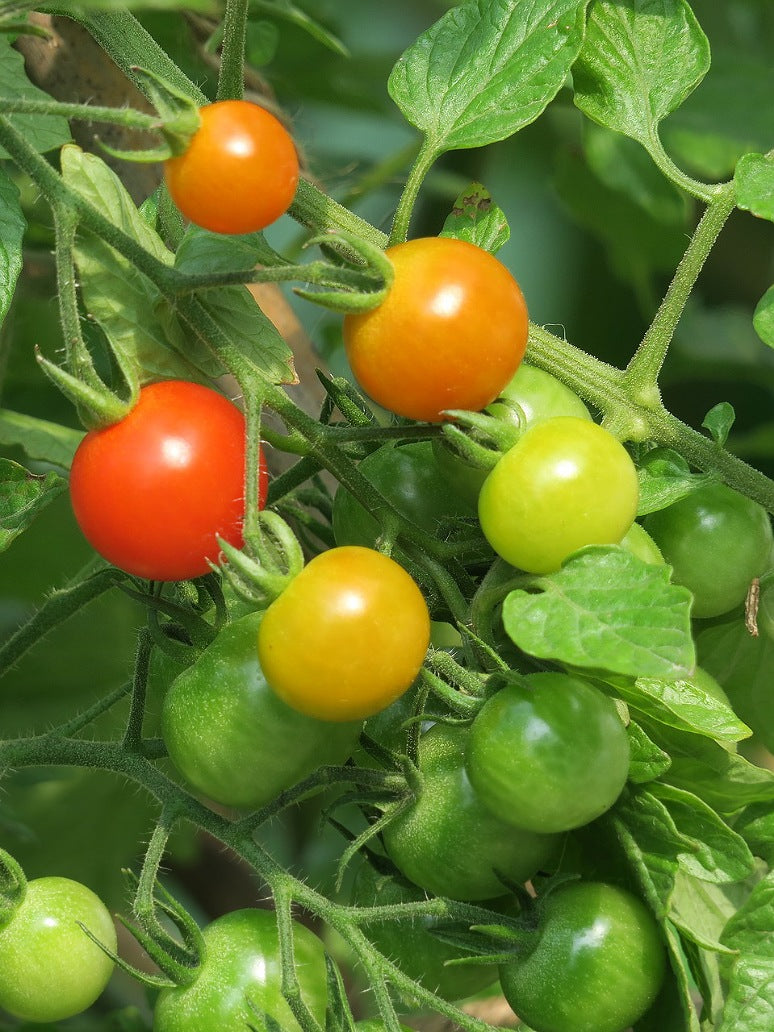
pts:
[152, 492]
[347, 637]
[548, 752]
[49, 968]
[241, 962]
[232, 737]
[449, 335]
[239, 172]
[597, 965]
[447, 841]
[716, 542]
[565, 484]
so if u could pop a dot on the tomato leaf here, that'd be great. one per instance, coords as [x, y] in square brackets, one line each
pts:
[754, 180]
[719, 421]
[763, 318]
[12, 226]
[477, 219]
[750, 998]
[719, 854]
[682, 704]
[43, 132]
[605, 609]
[486, 69]
[22, 498]
[201, 251]
[39, 438]
[119, 298]
[660, 487]
[639, 61]
[647, 760]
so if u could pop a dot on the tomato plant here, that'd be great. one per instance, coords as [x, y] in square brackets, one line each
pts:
[142, 489]
[231, 736]
[49, 968]
[450, 334]
[716, 542]
[596, 964]
[239, 171]
[365, 645]
[240, 977]
[548, 752]
[257, 724]
[565, 484]
[448, 842]
[411, 480]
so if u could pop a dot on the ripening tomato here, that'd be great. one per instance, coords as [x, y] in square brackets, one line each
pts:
[346, 637]
[152, 492]
[449, 335]
[565, 484]
[239, 172]
[49, 968]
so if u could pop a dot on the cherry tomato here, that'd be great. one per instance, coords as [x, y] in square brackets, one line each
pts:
[411, 945]
[49, 968]
[152, 492]
[548, 752]
[449, 335]
[448, 841]
[716, 542]
[230, 735]
[241, 963]
[539, 396]
[239, 172]
[565, 484]
[346, 637]
[596, 966]
[639, 542]
[410, 479]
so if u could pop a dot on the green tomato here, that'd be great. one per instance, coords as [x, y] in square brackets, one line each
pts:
[548, 752]
[409, 478]
[538, 395]
[597, 963]
[716, 542]
[639, 542]
[241, 962]
[49, 968]
[447, 841]
[411, 945]
[232, 738]
[565, 484]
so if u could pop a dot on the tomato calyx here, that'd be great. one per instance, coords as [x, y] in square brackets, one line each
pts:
[362, 287]
[270, 560]
[178, 961]
[489, 437]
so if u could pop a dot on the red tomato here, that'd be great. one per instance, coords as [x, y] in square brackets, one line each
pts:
[449, 335]
[239, 172]
[152, 492]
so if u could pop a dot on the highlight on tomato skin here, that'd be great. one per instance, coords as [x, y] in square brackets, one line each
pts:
[346, 637]
[239, 172]
[143, 490]
[449, 335]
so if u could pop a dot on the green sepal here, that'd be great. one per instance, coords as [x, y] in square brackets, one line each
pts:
[179, 114]
[97, 406]
[378, 269]
[151, 156]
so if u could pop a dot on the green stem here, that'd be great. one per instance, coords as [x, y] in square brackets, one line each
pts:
[422, 165]
[128, 117]
[232, 60]
[702, 191]
[642, 373]
[133, 734]
[315, 209]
